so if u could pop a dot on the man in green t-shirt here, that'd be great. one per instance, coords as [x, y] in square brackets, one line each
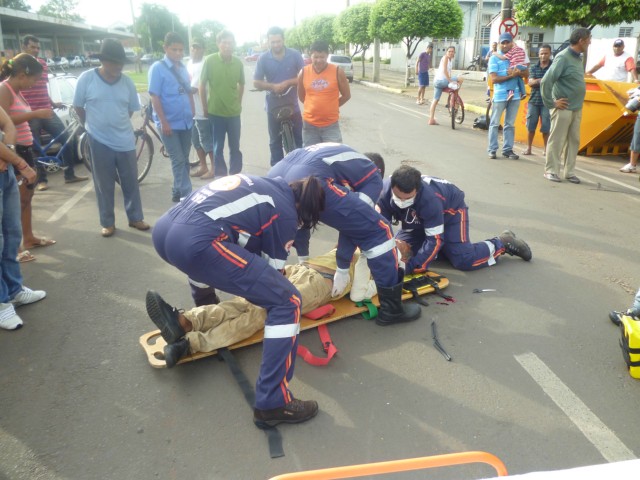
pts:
[221, 89]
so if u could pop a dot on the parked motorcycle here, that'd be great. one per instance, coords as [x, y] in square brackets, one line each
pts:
[478, 64]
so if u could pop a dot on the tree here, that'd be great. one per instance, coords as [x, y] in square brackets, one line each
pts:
[585, 13]
[319, 27]
[61, 9]
[16, 5]
[352, 26]
[154, 22]
[398, 20]
[293, 40]
[208, 31]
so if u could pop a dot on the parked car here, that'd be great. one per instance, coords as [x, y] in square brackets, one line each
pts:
[50, 63]
[343, 62]
[252, 58]
[94, 62]
[61, 90]
[147, 59]
[77, 62]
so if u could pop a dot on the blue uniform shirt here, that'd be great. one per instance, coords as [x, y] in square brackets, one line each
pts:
[435, 197]
[273, 70]
[173, 94]
[340, 163]
[259, 214]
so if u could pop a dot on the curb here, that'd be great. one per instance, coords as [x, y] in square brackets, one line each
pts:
[470, 107]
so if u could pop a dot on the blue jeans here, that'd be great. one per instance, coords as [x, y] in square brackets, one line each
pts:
[10, 237]
[223, 127]
[275, 137]
[178, 145]
[312, 135]
[107, 165]
[54, 127]
[202, 135]
[508, 132]
[535, 112]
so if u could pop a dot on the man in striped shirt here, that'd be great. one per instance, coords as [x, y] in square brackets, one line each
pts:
[38, 98]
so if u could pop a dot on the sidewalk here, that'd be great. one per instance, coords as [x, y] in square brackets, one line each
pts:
[473, 91]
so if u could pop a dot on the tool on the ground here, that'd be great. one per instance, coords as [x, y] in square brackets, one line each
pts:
[483, 290]
[436, 342]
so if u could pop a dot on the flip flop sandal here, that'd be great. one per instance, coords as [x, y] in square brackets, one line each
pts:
[44, 242]
[25, 256]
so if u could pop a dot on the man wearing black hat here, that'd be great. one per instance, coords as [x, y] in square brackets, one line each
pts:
[616, 65]
[105, 99]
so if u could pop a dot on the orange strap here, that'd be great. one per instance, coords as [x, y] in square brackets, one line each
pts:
[327, 345]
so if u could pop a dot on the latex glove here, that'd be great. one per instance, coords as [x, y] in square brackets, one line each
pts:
[340, 281]
[303, 258]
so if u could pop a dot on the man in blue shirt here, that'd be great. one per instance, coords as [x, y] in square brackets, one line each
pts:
[276, 72]
[173, 111]
[504, 79]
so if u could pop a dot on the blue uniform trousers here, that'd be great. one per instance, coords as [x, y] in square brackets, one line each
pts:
[359, 226]
[225, 265]
[456, 247]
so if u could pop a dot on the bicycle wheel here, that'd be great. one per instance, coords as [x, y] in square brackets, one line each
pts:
[453, 110]
[85, 150]
[144, 153]
[288, 141]
[459, 116]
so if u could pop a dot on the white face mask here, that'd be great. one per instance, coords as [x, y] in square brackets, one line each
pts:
[402, 203]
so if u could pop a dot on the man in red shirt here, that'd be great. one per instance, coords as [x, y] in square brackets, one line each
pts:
[38, 97]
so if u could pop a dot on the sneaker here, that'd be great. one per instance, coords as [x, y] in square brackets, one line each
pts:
[27, 296]
[573, 179]
[9, 319]
[492, 155]
[515, 246]
[165, 317]
[628, 168]
[140, 225]
[107, 231]
[616, 317]
[76, 179]
[296, 411]
[173, 352]
[510, 154]
[552, 177]
[42, 186]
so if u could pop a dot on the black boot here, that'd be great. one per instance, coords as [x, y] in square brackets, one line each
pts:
[391, 308]
[173, 352]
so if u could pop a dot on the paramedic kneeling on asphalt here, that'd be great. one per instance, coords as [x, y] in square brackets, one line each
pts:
[434, 219]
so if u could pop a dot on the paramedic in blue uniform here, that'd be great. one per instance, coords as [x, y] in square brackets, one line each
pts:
[235, 234]
[434, 220]
[352, 184]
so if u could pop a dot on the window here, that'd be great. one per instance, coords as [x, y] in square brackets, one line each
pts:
[485, 33]
[625, 32]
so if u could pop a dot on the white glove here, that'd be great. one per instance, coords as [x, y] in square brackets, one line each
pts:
[401, 264]
[302, 258]
[340, 281]
[362, 286]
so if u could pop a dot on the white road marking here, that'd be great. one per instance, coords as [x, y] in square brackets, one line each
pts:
[601, 436]
[69, 204]
[403, 109]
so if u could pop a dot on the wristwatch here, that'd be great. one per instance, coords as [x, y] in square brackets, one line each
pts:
[11, 147]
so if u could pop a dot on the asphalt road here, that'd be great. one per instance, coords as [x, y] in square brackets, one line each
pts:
[537, 377]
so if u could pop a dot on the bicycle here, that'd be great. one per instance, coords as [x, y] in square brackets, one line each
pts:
[283, 111]
[45, 153]
[455, 105]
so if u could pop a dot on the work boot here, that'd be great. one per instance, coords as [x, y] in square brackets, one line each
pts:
[616, 317]
[165, 317]
[173, 352]
[391, 308]
[515, 246]
[296, 411]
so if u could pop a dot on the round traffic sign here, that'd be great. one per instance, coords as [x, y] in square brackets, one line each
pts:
[509, 25]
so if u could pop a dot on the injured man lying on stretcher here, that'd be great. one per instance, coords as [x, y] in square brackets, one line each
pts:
[210, 327]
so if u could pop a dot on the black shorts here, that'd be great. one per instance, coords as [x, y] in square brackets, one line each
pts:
[26, 153]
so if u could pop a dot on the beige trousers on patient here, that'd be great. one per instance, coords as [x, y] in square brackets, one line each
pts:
[221, 325]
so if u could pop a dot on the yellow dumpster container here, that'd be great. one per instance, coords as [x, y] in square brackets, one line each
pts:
[606, 128]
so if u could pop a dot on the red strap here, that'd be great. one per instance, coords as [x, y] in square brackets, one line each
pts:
[327, 345]
[321, 312]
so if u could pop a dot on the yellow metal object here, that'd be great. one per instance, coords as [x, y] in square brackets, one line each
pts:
[606, 128]
[630, 344]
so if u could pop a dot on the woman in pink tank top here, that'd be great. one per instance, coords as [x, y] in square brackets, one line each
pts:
[20, 73]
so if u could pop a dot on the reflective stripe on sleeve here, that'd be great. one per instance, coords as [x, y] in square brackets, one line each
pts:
[281, 331]
[243, 238]
[492, 251]
[239, 206]
[432, 232]
[343, 157]
[274, 262]
[366, 199]
[197, 284]
[380, 249]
